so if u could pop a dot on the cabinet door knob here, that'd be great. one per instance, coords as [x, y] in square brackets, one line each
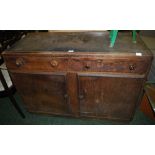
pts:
[54, 63]
[81, 97]
[65, 96]
[19, 62]
[132, 67]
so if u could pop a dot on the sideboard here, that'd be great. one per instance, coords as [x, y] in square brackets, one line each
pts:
[77, 74]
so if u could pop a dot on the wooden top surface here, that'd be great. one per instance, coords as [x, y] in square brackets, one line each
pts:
[91, 41]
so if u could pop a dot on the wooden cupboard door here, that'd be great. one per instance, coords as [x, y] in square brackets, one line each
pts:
[108, 97]
[43, 93]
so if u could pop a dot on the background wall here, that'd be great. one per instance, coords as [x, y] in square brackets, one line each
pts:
[148, 36]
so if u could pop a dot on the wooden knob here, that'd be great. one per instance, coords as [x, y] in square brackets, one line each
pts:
[81, 97]
[132, 67]
[87, 66]
[97, 101]
[19, 62]
[65, 96]
[99, 61]
[54, 63]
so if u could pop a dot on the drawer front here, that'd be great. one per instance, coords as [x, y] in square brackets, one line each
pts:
[109, 65]
[91, 64]
[36, 63]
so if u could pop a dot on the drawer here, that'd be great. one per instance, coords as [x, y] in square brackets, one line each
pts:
[46, 63]
[36, 63]
[139, 66]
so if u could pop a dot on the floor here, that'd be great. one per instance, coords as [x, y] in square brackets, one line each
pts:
[9, 115]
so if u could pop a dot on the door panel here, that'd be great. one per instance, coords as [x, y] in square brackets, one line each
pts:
[112, 97]
[44, 93]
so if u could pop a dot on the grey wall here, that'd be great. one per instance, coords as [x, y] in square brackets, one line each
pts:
[148, 36]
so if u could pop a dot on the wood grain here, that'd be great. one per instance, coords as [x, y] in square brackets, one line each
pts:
[92, 81]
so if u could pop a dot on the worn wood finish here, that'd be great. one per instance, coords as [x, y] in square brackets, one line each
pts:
[77, 74]
[112, 97]
[43, 92]
[72, 93]
[146, 108]
[78, 64]
[79, 42]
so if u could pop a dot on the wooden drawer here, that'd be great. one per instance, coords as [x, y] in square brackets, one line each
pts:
[79, 64]
[36, 63]
[139, 66]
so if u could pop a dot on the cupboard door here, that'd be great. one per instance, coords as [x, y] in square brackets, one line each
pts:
[44, 93]
[108, 97]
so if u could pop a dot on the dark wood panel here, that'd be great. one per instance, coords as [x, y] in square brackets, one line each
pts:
[96, 41]
[146, 108]
[36, 63]
[77, 64]
[108, 96]
[98, 64]
[77, 74]
[44, 93]
[72, 89]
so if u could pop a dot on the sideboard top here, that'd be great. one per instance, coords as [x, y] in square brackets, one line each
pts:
[91, 41]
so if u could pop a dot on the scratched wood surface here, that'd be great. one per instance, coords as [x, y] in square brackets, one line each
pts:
[94, 81]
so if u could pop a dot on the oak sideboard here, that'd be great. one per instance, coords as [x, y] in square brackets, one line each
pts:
[77, 74]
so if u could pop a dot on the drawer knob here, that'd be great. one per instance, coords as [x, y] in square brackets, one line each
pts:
[132, 67]
[87, 66]
[99, 61]
[19, 62]
[54, 63]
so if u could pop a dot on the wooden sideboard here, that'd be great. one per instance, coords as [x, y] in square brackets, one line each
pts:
[77, 74]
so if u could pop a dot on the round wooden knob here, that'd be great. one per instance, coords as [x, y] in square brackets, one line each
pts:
[87, 66]
[19, 62]
[132, 67]
[81, 97]
[54, 63]
[99, 61]
[97, 101]
[65, 96]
